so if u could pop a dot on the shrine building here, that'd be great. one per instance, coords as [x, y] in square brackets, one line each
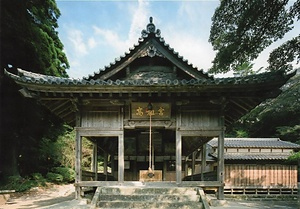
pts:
[149, 112]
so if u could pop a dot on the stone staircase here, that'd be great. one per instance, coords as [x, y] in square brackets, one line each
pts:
[147, 197]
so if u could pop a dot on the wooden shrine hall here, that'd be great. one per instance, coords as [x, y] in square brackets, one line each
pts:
[149, 112]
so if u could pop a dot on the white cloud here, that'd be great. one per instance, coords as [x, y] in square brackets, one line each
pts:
[111, 38]
[192, 48]
[139, 21]
[75, 37]
[92, 43]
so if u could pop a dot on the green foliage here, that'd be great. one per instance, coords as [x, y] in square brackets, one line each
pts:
[289, 132]
[278, 117]
[39, 178]
[87, 152]
[238, 133]
[59, 149]
[294, 157]
[20, 184]
[241, 30]
[68, 174]
[29, 37]
[61, 175]
[55, 177]
[283, 56]
[30, 41]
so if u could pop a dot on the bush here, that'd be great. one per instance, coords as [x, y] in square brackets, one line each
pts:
[67, 173]
[54, 177]
[19, 184]
[41, 181]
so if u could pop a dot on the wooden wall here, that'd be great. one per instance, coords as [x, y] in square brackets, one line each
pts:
[197, 120]
[108, 120]
[261, 175]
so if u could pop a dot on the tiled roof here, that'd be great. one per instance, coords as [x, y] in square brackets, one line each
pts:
[254, 143]
[255, 156]
[34, 78]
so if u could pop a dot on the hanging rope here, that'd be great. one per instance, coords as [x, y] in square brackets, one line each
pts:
[151, 164]
[150, 145]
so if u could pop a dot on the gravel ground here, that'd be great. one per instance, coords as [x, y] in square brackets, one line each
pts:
[242, 204]
[42, 198]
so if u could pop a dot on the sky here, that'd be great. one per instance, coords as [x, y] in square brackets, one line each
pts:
[96, 32]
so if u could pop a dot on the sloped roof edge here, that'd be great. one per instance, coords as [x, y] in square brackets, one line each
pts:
[26, 77]
[254, 156]
[254, 143]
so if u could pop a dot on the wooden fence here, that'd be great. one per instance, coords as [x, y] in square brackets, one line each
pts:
[272, 175]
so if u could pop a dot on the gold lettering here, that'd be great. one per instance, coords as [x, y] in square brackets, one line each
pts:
[150, 112]
[161, 111]
[139, 111]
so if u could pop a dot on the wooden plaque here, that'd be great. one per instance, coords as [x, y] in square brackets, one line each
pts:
[139, 110]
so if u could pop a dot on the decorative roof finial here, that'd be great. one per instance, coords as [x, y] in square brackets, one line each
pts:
[150, 29]
[151, 26]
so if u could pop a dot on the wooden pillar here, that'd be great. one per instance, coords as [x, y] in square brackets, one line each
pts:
[112, 164]
[186, 166]
[78, 156]
[203, 161]
[121, 158]
[164, 170]
[95, 161]
[178, 147]
[78, 150]
[105, 156]
[220, 176]
[135, 170]
[178, 157]
[193, 163]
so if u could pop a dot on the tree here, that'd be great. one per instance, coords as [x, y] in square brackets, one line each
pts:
[278, 117]
[29, 40]
[241, 30]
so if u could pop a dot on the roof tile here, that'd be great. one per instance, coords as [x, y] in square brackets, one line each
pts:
[254, 143]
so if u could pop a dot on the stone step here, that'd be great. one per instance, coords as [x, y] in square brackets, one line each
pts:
[148, 190]
[148, 205]
[150, 197]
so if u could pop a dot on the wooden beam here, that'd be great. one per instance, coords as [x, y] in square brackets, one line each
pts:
[96, 132]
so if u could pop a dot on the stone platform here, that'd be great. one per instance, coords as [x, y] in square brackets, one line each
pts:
[147, 195]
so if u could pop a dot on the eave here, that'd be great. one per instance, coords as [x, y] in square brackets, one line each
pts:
[61, 95]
